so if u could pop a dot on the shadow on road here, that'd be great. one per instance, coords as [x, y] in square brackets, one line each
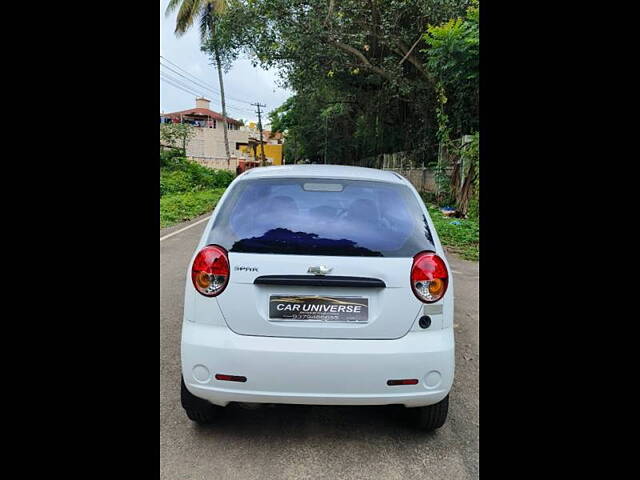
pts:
[298, 421]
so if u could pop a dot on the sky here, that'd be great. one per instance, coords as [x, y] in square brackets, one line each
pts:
[243, 83]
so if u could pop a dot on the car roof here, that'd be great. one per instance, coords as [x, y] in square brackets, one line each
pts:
[324, 171]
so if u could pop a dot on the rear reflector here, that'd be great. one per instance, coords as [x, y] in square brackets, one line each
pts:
[230, 378]
[406, 381]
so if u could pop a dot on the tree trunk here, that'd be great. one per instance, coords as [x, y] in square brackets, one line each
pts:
[224, 108]
[466, 191]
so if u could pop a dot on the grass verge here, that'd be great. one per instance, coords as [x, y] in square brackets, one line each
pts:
[460, 235]
[180, 207]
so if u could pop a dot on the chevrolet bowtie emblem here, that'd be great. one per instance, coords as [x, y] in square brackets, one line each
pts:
[319, 270]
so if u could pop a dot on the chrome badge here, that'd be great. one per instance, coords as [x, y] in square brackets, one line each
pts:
[319, 270]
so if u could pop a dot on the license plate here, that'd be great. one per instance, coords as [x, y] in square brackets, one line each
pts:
[296, 308]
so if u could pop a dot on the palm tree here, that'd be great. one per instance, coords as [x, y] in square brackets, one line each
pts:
[206, 12]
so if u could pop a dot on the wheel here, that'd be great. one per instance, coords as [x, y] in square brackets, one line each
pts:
[433, 416]
[198, 410]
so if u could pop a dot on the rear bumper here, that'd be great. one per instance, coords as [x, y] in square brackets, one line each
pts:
[316, 371]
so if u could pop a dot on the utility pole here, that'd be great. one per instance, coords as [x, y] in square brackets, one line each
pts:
[258, 105]
[224, 107]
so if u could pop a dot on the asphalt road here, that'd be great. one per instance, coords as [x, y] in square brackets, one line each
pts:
[313, 442]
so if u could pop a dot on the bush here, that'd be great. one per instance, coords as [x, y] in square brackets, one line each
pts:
[199, 175]
[175, 181]
[188, 189]
[223, 178]
[179, 175]
[171, 158]
[180, 207]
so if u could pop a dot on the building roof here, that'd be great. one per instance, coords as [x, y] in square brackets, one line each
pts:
[272, 135]
[326, 171]
[203, 112]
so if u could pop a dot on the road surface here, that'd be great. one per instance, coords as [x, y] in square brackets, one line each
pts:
[313, 442]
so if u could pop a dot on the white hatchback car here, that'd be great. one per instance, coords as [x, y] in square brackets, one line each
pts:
[319, 284]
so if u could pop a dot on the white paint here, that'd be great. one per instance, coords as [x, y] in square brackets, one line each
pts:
[316, 371]
[304, 362]
[185, 228]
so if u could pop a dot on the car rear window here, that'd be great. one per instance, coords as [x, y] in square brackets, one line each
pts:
[321, 217]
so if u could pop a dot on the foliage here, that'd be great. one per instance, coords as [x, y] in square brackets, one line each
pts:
[357, 68]
[470, 155]
[204, 177]
[444, 195]
[169, 157]
[222, 43]
[188, 189]
[185, 206]
[446, 148]
[204, 12]
[180, 175]
[175, 181]
[176, 135]
[281, 119]
[459, 235]
[453, 58]
[457, 174]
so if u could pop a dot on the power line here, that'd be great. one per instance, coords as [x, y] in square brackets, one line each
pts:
[197, 87]
[180, 87]
[187, 78]
[185, 71]
[169, 82]
[193, 85]
[198, 81]
[182, 84]
[193, 91]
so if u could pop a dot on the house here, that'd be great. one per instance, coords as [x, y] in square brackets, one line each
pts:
[273, 146]
[207, 145]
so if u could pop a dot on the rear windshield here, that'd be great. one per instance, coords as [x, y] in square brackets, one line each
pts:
[321, 217]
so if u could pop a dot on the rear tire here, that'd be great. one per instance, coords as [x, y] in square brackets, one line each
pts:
[433, 416]
[198, 410]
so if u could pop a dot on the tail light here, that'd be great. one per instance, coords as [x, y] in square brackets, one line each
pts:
[210, 271]
[429, 277]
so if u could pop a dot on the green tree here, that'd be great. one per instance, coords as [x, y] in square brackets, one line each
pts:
[453, 55]
[208, 14]
[176, 135]
[357, 68]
